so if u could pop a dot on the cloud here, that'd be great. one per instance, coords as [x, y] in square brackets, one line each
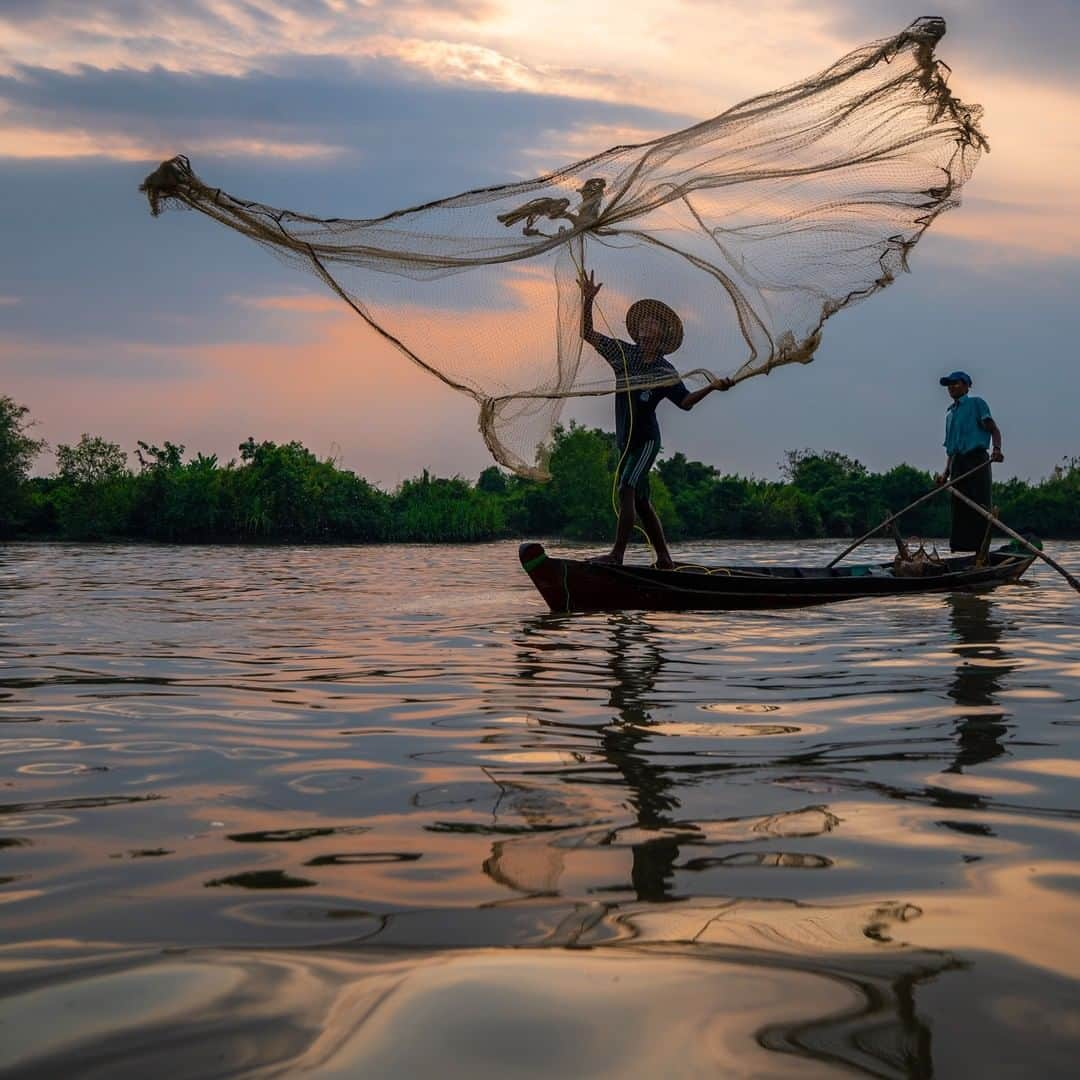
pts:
[370, 110]
[178, 329]
[105, 363]
[999, 228]
[95, 266]
[35, 144]
[238, 36]
[1038, 41]
[303, 302]
[424, 99]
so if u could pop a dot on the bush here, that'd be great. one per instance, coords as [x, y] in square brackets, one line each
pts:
[284, 492]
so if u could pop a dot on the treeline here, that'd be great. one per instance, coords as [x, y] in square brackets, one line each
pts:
[283, 492]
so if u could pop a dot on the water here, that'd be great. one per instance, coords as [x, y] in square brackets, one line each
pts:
[373, 811]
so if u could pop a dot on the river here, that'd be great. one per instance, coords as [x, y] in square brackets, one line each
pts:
[372, 811]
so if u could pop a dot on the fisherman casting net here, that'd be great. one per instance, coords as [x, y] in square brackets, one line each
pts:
[756, 226]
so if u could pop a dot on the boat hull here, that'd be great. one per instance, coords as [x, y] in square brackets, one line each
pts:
[577, 585]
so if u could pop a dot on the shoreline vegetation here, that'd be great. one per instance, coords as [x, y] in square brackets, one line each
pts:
[282, 492]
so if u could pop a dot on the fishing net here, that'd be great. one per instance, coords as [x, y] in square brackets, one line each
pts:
[755, 226]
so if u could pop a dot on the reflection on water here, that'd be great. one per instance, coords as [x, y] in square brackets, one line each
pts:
[372, 812]
[635, 663]
[980, 674]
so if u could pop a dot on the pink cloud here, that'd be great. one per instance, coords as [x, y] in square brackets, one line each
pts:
[303, 302]
[29, 142]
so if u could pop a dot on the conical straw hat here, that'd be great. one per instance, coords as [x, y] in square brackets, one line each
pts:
[672, 329]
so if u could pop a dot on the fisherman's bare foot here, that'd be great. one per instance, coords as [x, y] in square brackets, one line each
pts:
[664, 564]
[610, 559]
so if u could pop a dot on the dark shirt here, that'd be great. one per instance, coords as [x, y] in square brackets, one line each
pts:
[635, 411]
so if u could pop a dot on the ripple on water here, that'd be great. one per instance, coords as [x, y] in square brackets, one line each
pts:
[58, 768]
[720, 730]
[322, 783]
[397, 748]
[746, 706]
[142, 708]
[25, 822]
[151, 747]
[255, 753]
[30, 746]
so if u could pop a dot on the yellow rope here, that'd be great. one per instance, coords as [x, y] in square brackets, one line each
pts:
[629, 435]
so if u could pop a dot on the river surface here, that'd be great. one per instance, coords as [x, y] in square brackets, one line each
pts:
[372, 811]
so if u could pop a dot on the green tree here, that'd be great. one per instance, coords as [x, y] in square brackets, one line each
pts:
[779, 511]
[432, 510]
[180, 501]
[902, 485]
[727, 507]
[1050, 508]
[579, 496]
[492, 480]
[153, 514]
[351, 508]
[17, 453]
[159, 459]
[95, 494]
[91, 461]
[691, 485]
[840, 488]
[284, 492]
[275, 490]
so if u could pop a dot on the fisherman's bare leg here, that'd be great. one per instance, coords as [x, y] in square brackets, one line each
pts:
[655, 532]
[625, 530]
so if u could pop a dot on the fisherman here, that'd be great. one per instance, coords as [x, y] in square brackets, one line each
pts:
[639, 365]
[969, 430]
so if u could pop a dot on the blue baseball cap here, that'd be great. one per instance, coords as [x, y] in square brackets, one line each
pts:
[955, 376]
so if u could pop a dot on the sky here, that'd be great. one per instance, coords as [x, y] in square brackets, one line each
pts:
[118, 324]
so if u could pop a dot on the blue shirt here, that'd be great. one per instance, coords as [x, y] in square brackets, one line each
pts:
[963, 428]
[635, 411]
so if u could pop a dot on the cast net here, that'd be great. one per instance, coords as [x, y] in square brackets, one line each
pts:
[756, 226]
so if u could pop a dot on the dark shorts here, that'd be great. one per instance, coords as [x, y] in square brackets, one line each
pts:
[635, 465]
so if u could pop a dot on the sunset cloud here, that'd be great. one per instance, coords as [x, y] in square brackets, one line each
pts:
[34, 143]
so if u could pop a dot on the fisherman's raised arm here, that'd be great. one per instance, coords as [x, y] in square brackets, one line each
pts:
[589, 288]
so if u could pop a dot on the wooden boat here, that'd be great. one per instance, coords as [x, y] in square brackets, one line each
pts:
[578, 585]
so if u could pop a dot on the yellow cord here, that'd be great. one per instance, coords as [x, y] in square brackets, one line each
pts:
[629, 409]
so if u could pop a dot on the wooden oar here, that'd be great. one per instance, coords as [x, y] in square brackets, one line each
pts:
[1017, 537]
[892, 517]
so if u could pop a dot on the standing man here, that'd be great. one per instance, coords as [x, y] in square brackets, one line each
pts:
[969, 429]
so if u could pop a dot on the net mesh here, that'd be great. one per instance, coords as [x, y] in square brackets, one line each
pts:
[756, 226]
